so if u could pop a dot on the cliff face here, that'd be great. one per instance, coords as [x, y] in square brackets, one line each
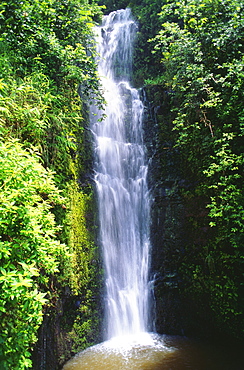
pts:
[167, 213]
[171, 232]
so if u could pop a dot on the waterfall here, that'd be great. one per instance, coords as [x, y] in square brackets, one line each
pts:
[121, 182]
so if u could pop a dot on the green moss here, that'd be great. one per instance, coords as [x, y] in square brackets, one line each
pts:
[81, 239]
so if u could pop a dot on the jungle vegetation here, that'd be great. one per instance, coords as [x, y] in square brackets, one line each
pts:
[194, 51]
[46, 238]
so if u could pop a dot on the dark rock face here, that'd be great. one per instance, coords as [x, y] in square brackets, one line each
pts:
[46, 354]
[59, 338]
[167, 213]
[176, 312]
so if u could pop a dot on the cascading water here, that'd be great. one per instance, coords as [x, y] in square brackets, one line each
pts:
[121, 171]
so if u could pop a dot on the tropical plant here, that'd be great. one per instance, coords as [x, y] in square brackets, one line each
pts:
[30, 251]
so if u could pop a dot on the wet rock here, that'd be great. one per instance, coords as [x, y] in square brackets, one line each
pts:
[167, 212]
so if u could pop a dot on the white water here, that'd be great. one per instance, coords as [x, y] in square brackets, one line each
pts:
[120, 176]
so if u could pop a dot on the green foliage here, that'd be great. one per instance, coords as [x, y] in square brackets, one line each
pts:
[53, 36]
[82, 334]
[29, 252]
[32, 112]
[201, 49]
[111, 5]
[146, 64]
[46, 54]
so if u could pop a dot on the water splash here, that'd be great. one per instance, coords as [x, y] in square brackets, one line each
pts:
[120, 177]
[133, 352]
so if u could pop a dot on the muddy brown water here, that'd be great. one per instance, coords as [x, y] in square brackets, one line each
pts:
[154, 352]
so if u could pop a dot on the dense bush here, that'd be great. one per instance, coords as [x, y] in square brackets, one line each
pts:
[30, 251]
[46, 53]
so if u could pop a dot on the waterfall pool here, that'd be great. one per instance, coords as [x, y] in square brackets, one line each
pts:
[149, 351]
